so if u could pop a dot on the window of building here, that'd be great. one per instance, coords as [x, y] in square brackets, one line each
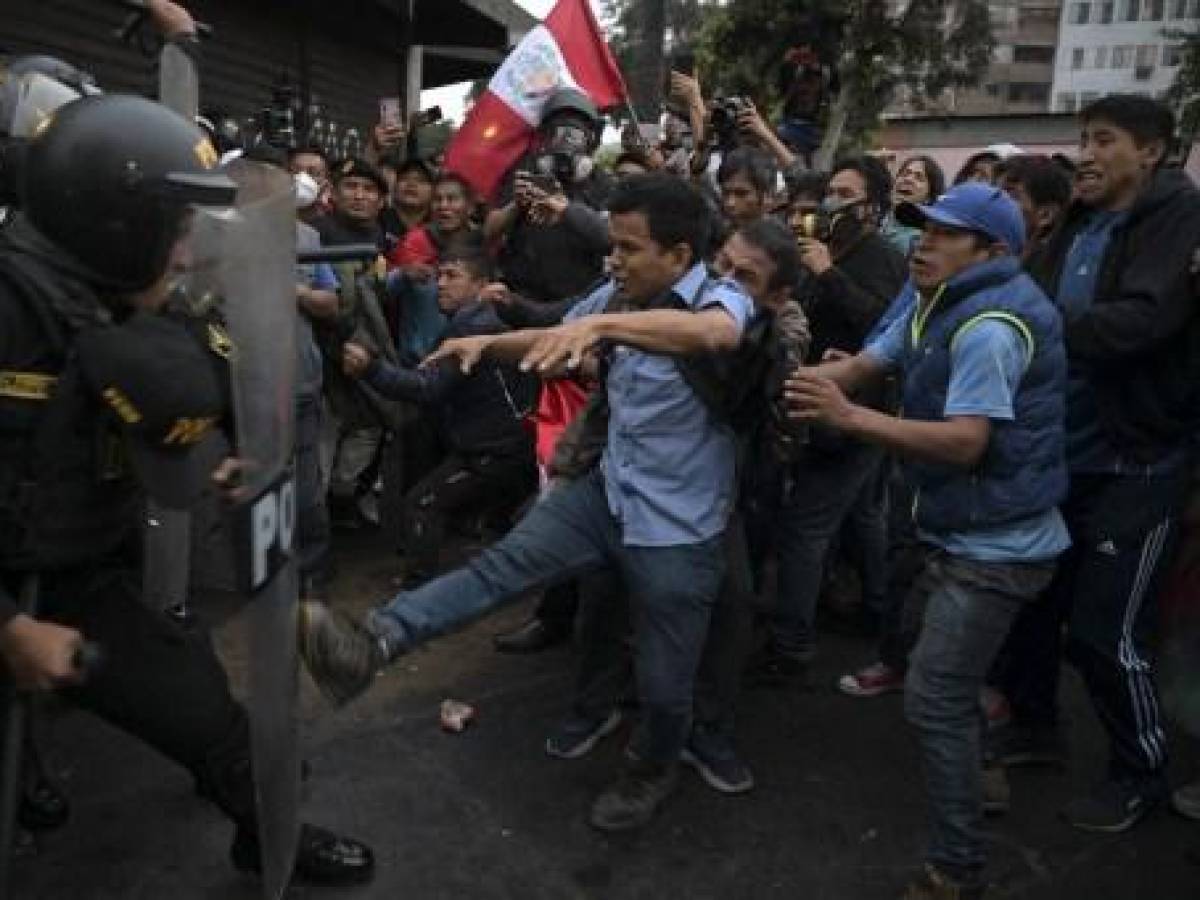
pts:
[1077, 58]
[1146, 55]
[1178, 8]
[1106, 13]
[1132, 11]
[1172, 54]
[1038, 17]
[1193, 9]
[1087, 97]
[1065, 102]
[1122, 56]
[1029, 92]
[1033, 54]
[1152, 11]
[1101, 59]
[1080, 13]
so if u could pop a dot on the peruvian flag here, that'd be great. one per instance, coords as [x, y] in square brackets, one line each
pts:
[566, 50]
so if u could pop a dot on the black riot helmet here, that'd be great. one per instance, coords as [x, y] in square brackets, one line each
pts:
[110, 179]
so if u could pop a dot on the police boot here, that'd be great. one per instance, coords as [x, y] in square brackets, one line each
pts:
[322, 857]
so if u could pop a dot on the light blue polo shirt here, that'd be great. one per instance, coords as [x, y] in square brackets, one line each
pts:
[669, 464]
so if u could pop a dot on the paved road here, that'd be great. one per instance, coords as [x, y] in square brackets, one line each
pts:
[837, 813]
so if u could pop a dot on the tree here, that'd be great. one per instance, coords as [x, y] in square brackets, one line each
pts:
[876, 47]
[640, 34]
[1184, 94]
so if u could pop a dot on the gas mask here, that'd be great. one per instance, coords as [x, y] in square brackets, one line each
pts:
[566, 153]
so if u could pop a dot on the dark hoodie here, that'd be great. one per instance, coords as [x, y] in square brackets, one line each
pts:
[1139, 342]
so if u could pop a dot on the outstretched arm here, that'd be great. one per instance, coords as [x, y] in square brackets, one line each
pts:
[671, 332]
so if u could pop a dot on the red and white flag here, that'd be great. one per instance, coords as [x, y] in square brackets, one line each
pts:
[566, 50]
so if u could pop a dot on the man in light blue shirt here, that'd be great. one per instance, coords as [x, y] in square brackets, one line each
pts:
[655, 508]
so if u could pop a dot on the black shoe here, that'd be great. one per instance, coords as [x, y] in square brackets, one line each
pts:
[1115, 805]
[772, 668]
[1015, 745]
[532, 637]
[634, 798]
[342, 657]
[322, 857]
[43, 806]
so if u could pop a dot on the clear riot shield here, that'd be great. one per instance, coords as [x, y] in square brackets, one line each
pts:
[243, 266]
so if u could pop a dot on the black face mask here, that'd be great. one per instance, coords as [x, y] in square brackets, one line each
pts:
[845, 222]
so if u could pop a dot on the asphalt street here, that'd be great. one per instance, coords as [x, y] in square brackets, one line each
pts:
[837, 813]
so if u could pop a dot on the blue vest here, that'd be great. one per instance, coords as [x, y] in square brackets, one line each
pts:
[1023, 471]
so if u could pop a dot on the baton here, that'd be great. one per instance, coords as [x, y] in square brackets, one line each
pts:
[343, 253]
[17, 709]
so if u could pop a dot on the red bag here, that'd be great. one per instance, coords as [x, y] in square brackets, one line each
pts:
[559, 402]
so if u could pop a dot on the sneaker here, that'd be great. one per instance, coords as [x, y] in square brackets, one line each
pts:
[877, 678]
[934, 884]
[717, 762]
[772, 668]
[1115, 805]
[634, 798]
[1186, 800]
[577, 736]
[997, 796]
[1026, 745]
[342, 657]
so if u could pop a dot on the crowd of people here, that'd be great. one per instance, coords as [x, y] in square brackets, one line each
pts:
[688, 394]
[980, 397]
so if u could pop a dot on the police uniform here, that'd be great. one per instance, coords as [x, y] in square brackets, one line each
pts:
[97, 402]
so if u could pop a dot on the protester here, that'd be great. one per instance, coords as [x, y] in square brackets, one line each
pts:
[412, 197]
[490, 459]
[980, 166]
[359, 190]
[1043, 190]
[1119, 269]
[747, 179]
[851, 273]
[918, 180]
[670, 491]
[984, 374]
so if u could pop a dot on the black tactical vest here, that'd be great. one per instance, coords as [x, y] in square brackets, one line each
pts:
[67, 497]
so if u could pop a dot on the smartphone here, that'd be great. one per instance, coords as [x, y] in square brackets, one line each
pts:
[389, 112]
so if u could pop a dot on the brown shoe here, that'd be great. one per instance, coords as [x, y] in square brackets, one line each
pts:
[342, 657]
[934, 884]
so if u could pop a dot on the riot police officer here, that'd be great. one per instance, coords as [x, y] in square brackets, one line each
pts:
[103, 399]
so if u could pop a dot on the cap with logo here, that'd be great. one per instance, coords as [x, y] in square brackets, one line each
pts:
[971, 206]
[165, 390]
[360, 168]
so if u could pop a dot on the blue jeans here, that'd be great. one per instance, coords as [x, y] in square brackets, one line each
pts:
[822, 495]
[570, 530]
[969, 608]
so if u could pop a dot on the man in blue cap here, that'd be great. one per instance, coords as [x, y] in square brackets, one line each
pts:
[980, 356]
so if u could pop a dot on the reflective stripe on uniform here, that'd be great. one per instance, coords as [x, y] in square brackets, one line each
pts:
[26, 385]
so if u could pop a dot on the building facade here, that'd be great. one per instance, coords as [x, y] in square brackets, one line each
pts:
[1020, 77]
[1118, 46]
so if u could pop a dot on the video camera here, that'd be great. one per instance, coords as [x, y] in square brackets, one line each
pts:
[723, 119]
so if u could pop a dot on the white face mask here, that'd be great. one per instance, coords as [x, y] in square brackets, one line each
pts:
[307, 190]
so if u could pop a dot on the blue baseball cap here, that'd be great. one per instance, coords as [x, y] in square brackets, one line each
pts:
[971, 206]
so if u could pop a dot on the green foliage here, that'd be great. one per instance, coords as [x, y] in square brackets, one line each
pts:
[932, 45]
[1184, 94]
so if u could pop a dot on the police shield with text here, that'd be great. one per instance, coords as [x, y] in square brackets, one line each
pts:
[107, 398]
